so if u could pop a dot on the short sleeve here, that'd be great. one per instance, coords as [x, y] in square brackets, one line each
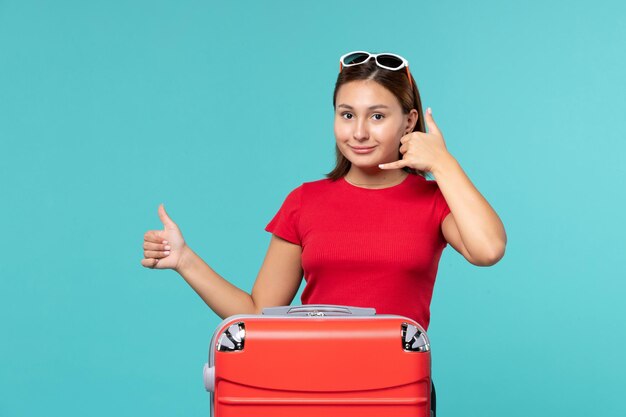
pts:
[285, 223]
[441, 206]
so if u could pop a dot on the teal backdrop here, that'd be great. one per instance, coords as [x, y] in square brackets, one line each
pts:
[219, 109]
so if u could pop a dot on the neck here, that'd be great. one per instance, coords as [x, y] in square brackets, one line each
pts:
[377, 178]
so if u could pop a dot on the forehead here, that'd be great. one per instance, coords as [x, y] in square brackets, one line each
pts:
[365, 93]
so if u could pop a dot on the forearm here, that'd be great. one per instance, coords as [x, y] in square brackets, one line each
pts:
[221, 296]
[481, 230]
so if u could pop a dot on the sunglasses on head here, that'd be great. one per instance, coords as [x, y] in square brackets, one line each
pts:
[384, 60]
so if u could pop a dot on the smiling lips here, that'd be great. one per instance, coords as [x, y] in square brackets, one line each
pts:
[362, 149]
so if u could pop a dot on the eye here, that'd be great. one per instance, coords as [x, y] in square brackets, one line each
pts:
[381, 116]
[346, 114]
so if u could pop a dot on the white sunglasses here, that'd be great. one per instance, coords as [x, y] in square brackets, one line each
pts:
[384, 60]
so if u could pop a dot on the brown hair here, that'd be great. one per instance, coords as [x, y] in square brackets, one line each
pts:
[398, 84]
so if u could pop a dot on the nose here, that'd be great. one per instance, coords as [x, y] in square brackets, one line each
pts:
[361, 132]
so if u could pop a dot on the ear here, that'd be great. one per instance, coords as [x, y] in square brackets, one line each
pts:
[411, 120]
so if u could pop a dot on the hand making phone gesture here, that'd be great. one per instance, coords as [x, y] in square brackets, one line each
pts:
[421, 151]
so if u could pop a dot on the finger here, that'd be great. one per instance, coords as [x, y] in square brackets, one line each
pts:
[156, 236]
[411, 137]
[150, 262]
[156, 246]
[393, 165]
[155, 254]
[165, 219]
[430, 122]
[404, 148]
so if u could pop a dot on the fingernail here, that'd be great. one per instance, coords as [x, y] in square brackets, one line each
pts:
[167, 247]
[430, 111]
[165, 242]
[166, 252]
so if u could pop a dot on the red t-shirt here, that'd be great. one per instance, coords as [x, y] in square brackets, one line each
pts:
[367, 247]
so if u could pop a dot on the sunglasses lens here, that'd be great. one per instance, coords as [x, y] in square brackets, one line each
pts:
[389, 61]
[356, 58]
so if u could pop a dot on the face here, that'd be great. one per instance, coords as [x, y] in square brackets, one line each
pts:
[369, 123]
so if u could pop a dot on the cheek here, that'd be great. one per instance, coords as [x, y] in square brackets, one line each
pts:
[341, 131]
[387, 134]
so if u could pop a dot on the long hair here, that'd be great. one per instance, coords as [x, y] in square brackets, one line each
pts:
[397, 82]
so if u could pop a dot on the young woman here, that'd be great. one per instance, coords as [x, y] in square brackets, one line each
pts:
[370, 234]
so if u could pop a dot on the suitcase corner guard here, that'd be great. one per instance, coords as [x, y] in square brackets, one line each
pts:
[414, 339]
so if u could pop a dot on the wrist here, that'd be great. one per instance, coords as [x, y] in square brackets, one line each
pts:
[185, 260]
[443, 164]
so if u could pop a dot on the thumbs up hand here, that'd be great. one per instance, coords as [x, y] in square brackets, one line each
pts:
[162, 249]
[421, 151]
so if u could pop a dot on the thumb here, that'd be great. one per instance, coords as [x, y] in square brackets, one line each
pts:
[430, 122]
[165, 219]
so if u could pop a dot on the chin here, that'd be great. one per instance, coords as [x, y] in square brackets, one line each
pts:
[365, 164]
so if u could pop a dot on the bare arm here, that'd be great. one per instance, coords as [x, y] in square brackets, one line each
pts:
[277, 282]
[280, 275]
[473, 227]
[221, 296]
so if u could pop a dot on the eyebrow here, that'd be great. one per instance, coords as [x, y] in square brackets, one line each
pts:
[375, 106]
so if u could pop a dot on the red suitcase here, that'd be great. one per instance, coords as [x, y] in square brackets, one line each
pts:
[319, 360]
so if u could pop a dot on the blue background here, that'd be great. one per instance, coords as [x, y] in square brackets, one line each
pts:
[109, 108]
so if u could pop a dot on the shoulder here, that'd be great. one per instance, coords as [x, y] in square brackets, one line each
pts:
[322, 189]
[311, 188]
[322, 184]
[422, 185]
[314, 191]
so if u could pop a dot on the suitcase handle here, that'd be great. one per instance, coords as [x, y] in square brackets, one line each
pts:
[318, 310]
